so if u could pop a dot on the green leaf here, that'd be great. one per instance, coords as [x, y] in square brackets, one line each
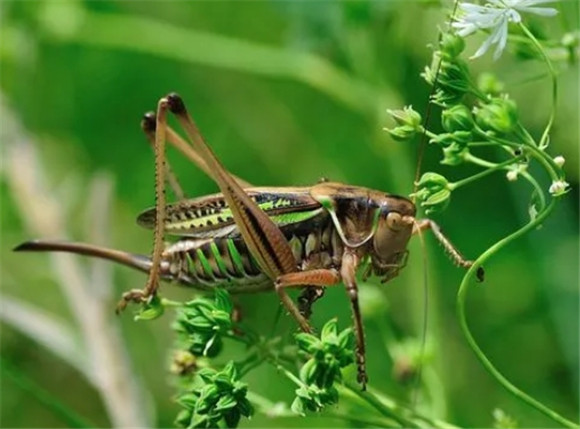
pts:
[223, 301]
[183, 418]
[232, 418]
[245, 407]
[151, 309]
[307, 342]
[329, 332]
[200, 421]
[230, 371]
[346, 339]
[188, 400]
[207, 374]
[298, 406]
[225, 402]
[308, 371]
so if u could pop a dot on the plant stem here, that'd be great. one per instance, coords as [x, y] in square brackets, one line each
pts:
[487, 164]
[544, 139]
[389, 412]
[461, 297]
[463, 182]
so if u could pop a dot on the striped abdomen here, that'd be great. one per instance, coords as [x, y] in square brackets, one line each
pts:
[226, 261]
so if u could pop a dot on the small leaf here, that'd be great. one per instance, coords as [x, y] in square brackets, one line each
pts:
[308, 371]
[223, 301]
[188, 400]
[183, 418]
[225, 402]
[230, 370]
[346, 339]
[200, 421]
[151, 309]
[232, 418]
[245, 407]
[298, 406]
[307, 342]
[207, 374]
[329, 332]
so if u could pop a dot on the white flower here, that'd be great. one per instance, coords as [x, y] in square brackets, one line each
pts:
[495, 16]
[559, 161]
[559, 187]
[512, 175]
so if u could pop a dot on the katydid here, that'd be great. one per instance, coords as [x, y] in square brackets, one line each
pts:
[249, 239]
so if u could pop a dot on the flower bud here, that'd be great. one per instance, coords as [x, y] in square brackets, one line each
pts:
[401, 134]
[512, 175]
[457, 118]
[433, 192]
[455, 75]
[559, 187]
[454, 154]
[559, 161]
[452, 76]
[489, 84]
[499, 115]
[407, 116]
[452, 45]
[408, 121]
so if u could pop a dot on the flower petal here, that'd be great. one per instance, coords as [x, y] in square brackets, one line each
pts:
[541, 11]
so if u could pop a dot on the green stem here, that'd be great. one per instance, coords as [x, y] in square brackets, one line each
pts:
[500, 166]
[170, 303]
[481, 144]
[545, 159]
[526, 135]
[552, 71]
[423, 130]
[373, 401]
[272, 409]
[487, 164]
[461, 298]
[361, 421]
[479, 161]
[537, 187]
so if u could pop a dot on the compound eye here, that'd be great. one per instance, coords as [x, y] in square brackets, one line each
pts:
[394, 221]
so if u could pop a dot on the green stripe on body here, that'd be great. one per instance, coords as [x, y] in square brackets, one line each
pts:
[204, 263]
[219, 260]
[236, 258]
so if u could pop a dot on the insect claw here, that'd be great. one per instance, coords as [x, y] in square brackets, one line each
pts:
[136, 295]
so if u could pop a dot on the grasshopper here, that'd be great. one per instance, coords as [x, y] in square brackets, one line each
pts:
[250, 239]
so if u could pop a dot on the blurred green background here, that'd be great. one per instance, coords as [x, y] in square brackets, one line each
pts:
[286, 93]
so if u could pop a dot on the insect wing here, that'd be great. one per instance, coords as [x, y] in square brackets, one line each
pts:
[210, 216]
